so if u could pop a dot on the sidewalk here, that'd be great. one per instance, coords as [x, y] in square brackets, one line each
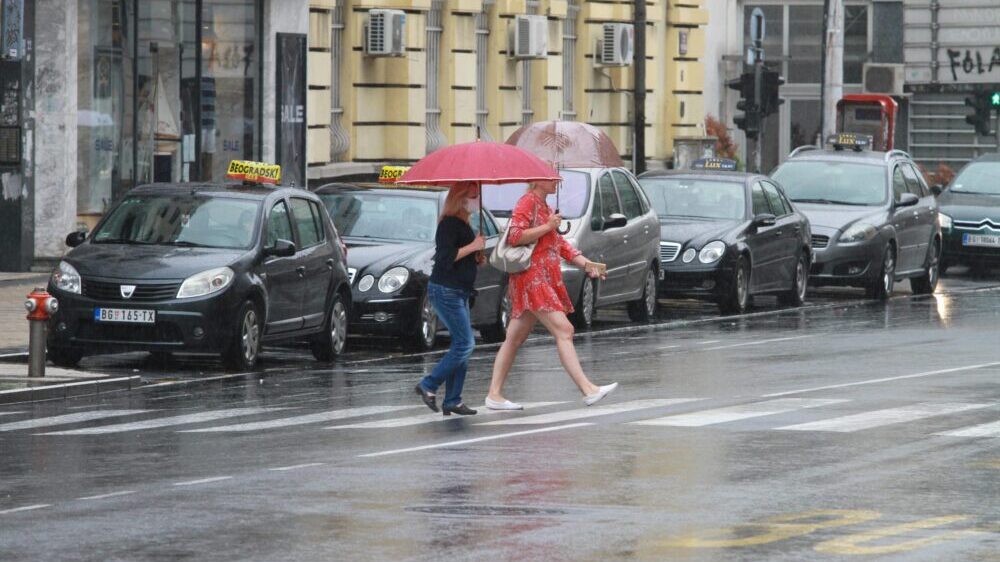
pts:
[14, 287]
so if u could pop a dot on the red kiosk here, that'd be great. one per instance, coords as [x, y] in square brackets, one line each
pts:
[869, 114]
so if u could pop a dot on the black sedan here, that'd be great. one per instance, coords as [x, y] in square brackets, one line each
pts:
[725, 236]
[389, 232]
[970, 215]
[203, 268]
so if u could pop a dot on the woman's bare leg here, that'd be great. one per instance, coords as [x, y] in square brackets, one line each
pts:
[562, 330]
[518, 331]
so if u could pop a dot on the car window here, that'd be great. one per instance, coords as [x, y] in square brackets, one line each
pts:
[833, 182]
[914, 181]
[360, 214]
[789, 209]
[978, 177]
[279, 225]
[700, 198]
[760, 204]
[609, 201]
[774, 199]
[627, 195]
[898, 183]
[181, 220]
[572, 197]
[306, 222]
[489, 228]
[318, 217]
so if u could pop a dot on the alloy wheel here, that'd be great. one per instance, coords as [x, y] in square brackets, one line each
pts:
[889, 271]
[428, 323]
[933, 267]
[650, 293]
[338, 327]
[250, 337]
[588, 301]
[741, 286]
[801, 279]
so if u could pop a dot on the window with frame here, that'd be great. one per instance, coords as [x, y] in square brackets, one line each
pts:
[305, 220]
[914, 181]
[898, 183]
[774, 200]
[627, 195]
[279, 225]
[759, 200]
[609, 201]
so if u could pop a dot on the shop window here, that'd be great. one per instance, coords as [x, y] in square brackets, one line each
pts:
[805, 32]
[805, 116]
[855, 42]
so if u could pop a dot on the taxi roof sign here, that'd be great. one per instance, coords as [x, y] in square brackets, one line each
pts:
[720, 164]
[255, 172]
[854, 141]
[389, 174]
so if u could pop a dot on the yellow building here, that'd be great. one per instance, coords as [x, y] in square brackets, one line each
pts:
[458, 74]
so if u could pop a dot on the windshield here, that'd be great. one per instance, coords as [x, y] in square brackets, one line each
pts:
[182, 220]
[372, 215]
[978, 177]
[842, 183]
[573, 196]
[711, 199]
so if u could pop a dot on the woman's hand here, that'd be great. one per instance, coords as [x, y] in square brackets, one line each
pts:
[554, 221]
[478, 244]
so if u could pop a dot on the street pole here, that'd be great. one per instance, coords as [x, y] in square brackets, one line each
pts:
[639, 94]
[833, 72]
[758, 100]
[997, 131]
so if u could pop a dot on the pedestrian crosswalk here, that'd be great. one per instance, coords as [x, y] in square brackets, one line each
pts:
[832, 415]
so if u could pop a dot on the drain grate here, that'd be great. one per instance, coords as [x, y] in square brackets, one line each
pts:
[485, 510]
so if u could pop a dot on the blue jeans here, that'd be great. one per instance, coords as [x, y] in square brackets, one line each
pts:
[452, 307]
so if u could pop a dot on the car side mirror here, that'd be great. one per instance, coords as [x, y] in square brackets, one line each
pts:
[282, 249]
[616, 220]
[764, 219]
[937, 189]
[74, 239]
[907, 200]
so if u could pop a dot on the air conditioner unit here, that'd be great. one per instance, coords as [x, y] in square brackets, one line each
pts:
[385, 33]
[880, 78]
[616, 46]
[529, 38]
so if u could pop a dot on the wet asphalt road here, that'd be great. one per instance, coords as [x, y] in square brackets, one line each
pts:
[844, 430]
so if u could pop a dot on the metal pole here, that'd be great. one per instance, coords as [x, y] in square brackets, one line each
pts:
[758, 83]
[822, 69]
[639, 97]
[36, 348]
[997, 132]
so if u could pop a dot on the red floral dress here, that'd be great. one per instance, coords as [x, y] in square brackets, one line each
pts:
[540, 288]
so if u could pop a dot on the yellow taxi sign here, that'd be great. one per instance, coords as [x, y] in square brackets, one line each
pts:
[259, 172]
[720, 164]
[390, 174]
[853, 141]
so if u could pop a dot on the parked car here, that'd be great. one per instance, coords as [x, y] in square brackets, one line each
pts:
[389, 231]
[609, 219]
[204, 268]
[970, 215]
[874, 221]
[727, 235]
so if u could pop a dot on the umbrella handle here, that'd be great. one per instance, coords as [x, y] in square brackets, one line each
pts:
[558, 193]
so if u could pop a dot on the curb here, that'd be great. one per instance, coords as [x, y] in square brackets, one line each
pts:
[42, 278]
[69, 390]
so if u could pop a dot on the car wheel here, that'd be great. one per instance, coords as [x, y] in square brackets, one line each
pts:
[943, 268]
[583, 315]
[244, 348]
[737, 297]
[796, 295]
[644, 309]
[330, 343]
[880, 287]
[926, 283]
[64, 357]
[497, 331]
[424, 335]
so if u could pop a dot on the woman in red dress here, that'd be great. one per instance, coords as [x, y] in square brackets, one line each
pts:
[539, 295]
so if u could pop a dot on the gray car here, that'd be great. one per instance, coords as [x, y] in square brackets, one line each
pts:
[874, 221]
[610, 220]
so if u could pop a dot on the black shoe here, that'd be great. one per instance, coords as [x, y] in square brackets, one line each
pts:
[461, 410]
[429, 398]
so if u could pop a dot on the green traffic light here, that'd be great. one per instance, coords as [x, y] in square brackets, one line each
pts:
[995, 99]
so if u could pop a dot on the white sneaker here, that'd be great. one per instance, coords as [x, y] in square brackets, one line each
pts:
[602, 391]
[505, 405]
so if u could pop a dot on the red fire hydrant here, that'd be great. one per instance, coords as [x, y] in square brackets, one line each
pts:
[40, 305]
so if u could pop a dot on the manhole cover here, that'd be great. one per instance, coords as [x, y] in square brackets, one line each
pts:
[485, 510]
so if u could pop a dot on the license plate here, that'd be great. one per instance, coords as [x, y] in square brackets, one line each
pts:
[988, 240]
[125, 315]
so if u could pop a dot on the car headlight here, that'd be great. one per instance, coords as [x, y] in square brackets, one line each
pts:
[206, 283]
[393, 280]
[944, 221]
[859, 232]
[689, 255]
[66, 278]
[712, 252]
[366, 283]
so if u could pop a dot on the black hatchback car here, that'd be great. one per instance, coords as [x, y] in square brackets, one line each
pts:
[970, 215]
[726, 235]
[203, 268]
[389, 231]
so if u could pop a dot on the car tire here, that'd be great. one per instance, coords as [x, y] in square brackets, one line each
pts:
[497, 332]
[796, 294]
[926, 283]
[329, 344]
[65, 357]
[423, 336]
[880, 287]
[943, 268]
[243, 350]
[736, 299]
[584, 309]
[644, 308]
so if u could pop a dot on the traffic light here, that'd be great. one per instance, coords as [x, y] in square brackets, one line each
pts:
[749, 122]
[770, 100]
[982, 105]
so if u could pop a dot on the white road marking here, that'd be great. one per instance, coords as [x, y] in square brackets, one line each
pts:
[165, 422]
[68, 418]
[320, 417]
[706, 342]
[878, 418]
[202, 481]
[296, 466]
[10, 413]
[991, 429]
[759, 342]
[167, 397]
[887, 379]
[25, 508]
[476, 440]
[669, 347]
[432, 418]
[740, 412]
[104, 496]
[592, 411]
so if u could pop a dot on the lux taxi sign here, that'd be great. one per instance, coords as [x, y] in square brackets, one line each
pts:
[259, 172]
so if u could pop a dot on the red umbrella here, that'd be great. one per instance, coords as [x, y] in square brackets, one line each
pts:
[478, 162]
[568, 144]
